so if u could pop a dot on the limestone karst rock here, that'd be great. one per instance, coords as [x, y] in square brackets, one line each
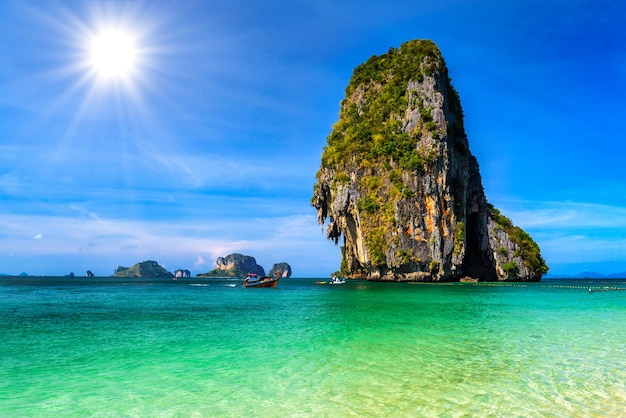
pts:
[283, 267]
[397, 180]
[234, 265]
[144, 269]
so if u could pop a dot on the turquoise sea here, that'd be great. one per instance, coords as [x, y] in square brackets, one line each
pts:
[110, 347]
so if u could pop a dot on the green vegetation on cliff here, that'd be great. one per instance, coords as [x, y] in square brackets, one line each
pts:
[528, 249]
[405, 64]
[370, 126]
[224, 273]
[144, 269]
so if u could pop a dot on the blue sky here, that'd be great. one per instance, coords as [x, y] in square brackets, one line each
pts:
[210, 146]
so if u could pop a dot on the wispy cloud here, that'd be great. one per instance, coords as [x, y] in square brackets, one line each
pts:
[181, 244]
[572, 233]
[566, 215]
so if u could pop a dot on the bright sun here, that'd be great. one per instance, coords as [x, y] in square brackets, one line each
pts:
[113, 54]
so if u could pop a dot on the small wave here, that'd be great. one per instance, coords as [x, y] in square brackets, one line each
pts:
[200, 284]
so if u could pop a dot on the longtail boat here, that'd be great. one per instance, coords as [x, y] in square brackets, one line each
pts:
[254, 280]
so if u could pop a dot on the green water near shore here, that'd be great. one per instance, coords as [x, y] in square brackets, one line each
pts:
[108, 347]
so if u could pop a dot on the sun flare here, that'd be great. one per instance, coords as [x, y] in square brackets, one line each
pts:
[113, 54]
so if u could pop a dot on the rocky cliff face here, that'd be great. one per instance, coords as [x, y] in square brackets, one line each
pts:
[284, 269]
[234, 265]
[180, 273]
[398, 181]
[239, 262]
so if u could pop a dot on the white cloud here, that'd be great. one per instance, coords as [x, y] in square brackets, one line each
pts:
[200, 262]
[567, 233]
[565, 215]
[185, 244]
[572, 233]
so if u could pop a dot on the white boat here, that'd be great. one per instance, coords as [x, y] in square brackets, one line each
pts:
[336, 280]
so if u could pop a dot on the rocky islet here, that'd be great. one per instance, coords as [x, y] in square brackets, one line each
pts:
[398, 181]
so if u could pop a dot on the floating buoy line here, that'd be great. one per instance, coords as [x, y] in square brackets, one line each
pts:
[517, 284]
[589, 289]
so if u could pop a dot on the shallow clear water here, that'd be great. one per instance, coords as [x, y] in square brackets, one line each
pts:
[122, 347]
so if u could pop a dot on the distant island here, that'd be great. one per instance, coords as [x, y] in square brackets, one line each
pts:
[239, 265]
[233, 265]
[144, 269]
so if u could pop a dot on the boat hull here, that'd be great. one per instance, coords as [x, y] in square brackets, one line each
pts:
[261, 283]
